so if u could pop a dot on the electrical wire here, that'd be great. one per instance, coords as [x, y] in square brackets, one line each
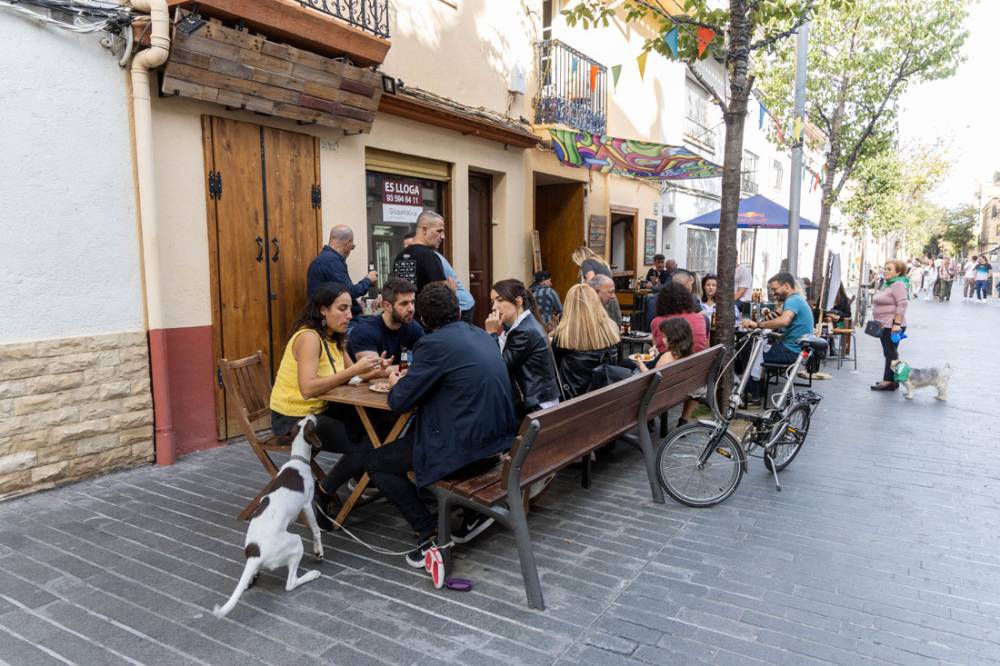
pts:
[87, 16]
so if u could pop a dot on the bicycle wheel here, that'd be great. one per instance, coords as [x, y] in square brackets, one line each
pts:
[688, 480]
[795, 427]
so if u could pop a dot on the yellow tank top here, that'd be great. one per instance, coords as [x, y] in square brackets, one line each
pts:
[285, 396]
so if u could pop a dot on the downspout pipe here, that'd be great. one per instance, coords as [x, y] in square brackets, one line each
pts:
[142, 63]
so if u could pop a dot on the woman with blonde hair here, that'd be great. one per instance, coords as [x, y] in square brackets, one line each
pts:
[585, 338]
[590, 263]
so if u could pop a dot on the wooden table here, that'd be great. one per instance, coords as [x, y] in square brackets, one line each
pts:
[363, 399]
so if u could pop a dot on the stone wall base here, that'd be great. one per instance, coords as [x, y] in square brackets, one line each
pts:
[73, 408]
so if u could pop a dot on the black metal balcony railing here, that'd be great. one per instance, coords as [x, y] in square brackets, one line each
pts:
[573, 89]
[369, 15]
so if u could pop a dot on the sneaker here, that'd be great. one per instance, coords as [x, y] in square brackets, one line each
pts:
[326, 507]
[473, 524]
[416, 558]
[368, 493]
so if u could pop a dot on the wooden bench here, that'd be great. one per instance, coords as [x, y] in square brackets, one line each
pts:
[551, 439]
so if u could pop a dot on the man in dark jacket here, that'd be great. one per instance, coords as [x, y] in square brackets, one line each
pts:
[331, 266]
[458, 383]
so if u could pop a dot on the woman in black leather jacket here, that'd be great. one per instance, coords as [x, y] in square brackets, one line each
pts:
[584, 339]
[524, 346]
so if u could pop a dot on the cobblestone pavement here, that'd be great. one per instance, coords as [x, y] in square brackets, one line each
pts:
[883, 548]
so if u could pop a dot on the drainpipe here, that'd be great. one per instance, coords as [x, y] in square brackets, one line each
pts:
[142, 63]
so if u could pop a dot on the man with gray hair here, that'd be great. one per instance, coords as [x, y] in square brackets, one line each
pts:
[605, 288]
[331, 266]
[419, 262]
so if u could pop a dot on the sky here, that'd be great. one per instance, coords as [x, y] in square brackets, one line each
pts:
[962, 111]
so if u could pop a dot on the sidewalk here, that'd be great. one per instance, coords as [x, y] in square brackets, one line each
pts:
[884, 547]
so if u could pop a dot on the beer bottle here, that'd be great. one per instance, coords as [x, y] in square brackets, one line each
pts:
[404, 359]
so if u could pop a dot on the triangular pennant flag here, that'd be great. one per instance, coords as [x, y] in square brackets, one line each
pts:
[705, 37]
[641, 60]
[781, 134]
[670, 39]
[760, 116]
[616, 71]
[797, 128]
[573, 65]
[593, 76]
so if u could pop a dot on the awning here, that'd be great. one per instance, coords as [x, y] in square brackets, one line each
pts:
[627, 157]
[756, 212]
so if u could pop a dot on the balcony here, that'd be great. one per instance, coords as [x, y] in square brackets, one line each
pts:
[355, 29]
[573, 89]
[699, 135]
[368, 15]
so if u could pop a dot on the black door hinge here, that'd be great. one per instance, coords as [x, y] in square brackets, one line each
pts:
[317, 196]
[214, 185]
[218, 377]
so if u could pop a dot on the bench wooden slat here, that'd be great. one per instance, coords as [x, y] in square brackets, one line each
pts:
[470, 487]
[681, 379]
[492, 494]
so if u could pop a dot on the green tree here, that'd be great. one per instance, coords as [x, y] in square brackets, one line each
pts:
[862, 58]
[876, 198]
[959, 228]
[932, 248]
[746, 28]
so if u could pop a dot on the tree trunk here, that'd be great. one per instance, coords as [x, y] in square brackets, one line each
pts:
[729, 212]
[826, 207]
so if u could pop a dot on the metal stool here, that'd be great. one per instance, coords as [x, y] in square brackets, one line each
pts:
[847, 336]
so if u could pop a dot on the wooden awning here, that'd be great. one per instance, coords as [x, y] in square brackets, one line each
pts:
[431, 110]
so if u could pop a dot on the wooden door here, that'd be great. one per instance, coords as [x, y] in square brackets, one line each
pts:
[293, 226]
[237, 245]
[480, 243]
[559, 221]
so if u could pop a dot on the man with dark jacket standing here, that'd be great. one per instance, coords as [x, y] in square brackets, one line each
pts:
[331, 266]
[458, 384]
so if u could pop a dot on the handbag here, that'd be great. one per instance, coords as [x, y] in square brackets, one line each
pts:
[874, 329]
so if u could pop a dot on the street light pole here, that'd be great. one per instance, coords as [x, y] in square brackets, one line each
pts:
[795, 198]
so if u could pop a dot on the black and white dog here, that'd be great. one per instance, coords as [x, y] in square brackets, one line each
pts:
[937, 377]
[269, 544]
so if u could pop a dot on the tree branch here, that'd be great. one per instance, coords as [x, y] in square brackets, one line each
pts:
[720, 99]
[767, 41]
[825, 119]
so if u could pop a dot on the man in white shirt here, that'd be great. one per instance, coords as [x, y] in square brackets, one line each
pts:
[969, 279]
[743, 282]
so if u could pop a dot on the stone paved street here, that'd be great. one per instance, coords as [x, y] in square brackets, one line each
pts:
[883, 548]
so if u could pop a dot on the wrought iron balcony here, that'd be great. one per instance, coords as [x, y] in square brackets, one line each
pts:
[368, 15]
[573, 89]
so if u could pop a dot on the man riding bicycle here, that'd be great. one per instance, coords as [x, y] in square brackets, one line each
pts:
[795, 320]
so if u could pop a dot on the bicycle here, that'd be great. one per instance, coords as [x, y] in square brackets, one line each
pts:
[701, 464]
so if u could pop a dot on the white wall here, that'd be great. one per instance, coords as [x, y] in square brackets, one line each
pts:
[70, 239]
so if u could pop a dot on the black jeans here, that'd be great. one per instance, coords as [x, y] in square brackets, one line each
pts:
[889, 350]
[387, 466]
[341, 431]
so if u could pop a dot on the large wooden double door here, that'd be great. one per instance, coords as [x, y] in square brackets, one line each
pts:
[264, 230]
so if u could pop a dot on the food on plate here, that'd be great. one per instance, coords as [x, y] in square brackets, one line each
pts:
[645, 358]
[380, 387]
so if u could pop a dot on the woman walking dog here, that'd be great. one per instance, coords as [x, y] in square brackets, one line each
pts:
[889, 310]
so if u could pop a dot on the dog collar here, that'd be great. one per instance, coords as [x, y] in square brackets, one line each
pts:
[301, 459]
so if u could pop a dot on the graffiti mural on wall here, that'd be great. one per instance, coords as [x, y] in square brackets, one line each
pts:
[641, 159]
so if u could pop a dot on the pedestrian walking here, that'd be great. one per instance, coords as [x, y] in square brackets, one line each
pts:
[969, 279]
[930, 279]
[916, 275]
[889, 310]
[984, 273]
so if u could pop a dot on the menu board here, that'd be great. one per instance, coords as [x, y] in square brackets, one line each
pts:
[597, 239]
[649, 241]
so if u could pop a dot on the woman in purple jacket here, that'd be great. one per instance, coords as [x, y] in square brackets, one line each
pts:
[889, 310]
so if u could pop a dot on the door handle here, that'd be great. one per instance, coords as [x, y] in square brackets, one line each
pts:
[260, 248]
[277, 249]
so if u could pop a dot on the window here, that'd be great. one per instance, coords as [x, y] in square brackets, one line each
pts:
[394, 202]
[746, 247]
[696, 129]
[546, 20]
[749, 173]
[779, 174]
[994, 210]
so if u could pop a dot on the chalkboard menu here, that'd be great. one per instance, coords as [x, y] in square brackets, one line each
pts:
[649, 241]
[597, 240]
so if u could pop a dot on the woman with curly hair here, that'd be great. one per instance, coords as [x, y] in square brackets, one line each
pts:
[675, 301]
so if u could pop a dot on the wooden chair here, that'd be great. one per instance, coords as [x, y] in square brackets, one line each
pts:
[249, 389]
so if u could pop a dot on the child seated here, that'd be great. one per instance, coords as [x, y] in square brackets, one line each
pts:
[678, 340]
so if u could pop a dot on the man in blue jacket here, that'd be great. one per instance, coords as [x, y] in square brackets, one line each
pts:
[458, 384]
[331, 266]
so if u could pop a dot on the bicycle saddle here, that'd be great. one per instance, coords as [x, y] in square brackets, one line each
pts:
[814, 343]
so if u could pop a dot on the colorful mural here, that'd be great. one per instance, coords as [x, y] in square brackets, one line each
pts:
[626, 157]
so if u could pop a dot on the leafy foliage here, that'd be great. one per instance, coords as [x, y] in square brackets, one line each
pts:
[862, 58]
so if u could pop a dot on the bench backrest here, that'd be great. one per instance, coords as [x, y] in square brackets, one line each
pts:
[679, 380]
[574, 428]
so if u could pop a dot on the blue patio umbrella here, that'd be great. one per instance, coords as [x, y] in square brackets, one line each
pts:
[756, 212]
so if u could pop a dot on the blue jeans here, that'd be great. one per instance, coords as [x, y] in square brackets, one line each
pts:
[981, 286]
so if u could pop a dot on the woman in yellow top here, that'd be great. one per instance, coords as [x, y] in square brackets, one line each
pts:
[316, 361]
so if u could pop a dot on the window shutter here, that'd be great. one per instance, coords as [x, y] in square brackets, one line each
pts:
[385, 161]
